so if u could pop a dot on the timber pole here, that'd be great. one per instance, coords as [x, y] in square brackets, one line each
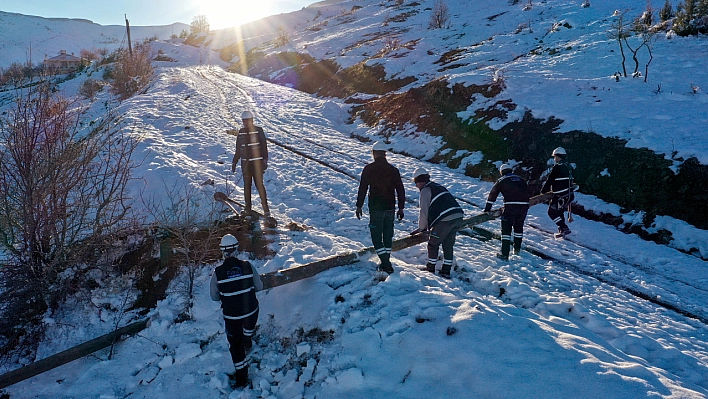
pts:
[69, 355]
[127, 29]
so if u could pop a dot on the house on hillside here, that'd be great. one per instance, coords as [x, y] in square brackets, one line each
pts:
[63, 63]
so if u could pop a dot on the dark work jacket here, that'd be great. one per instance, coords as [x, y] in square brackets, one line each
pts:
[238, 293]
[251, 147]
[560, 181]
[383, 181]
[442, 204]
[514, 190]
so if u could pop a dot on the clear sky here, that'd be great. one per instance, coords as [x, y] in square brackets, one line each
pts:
[220, 13]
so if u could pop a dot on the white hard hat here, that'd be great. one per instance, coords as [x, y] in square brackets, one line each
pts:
[247, 115]
[419, 172]
[379, 146]
[559, 151]
[504, 167]
[228, 243]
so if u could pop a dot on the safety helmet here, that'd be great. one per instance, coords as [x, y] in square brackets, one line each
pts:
[228, 243]
[558, 151]
[379, 146]
[419, 172]
[504, 167]
[247, 115]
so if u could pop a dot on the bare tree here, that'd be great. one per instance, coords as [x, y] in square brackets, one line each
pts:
[187, 216]
[645, 35]
[619, 32]
[63, 188]
[440, 16]
[200, 23]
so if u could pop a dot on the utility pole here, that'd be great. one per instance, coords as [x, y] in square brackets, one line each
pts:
[127, 28]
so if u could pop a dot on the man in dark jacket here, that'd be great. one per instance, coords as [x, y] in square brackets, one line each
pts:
[442, 216]
[235, 283]
[516, 205]
[383, 182]
[252, 150]
[560, 182]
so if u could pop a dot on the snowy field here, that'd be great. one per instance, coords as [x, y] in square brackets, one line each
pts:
[598, 315]
[531, 327]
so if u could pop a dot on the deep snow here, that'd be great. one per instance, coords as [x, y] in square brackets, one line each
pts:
[561, 326]
[553, 332]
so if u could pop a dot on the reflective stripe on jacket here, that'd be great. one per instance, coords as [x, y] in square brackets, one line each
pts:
[236, 288]
[513, 188]
[442, 204]
[560, 181]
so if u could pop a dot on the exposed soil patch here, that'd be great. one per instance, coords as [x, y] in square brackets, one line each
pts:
[156, 273]
[324, 78]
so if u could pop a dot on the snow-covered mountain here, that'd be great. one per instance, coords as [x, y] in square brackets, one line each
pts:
[601, 314]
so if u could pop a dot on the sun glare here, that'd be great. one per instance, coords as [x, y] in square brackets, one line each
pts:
[228, 13]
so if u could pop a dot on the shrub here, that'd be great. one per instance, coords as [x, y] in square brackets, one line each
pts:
[132, 73]
[666, 12]
[90, 87]
[282, 38]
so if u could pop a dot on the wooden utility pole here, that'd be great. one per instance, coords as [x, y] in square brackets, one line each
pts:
[127, 28]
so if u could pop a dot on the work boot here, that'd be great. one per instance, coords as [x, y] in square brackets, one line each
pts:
[562, 232]
[385, 265]
[502, 256]
[241, 378]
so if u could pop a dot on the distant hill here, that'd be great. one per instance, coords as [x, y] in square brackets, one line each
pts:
[48, 36]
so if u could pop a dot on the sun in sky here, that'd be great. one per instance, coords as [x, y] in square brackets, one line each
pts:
[227, 13]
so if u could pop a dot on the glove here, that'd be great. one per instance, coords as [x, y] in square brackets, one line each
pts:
[399, 214]
[358, 212]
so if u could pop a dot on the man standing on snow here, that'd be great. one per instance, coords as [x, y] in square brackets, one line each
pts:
[235, 283]
[560, 183]
[516, 205]
[252, 150]
[442, 215]
[383, 182]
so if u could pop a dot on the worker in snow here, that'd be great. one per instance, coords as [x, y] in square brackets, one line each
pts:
[442, 216]
[516, 206]
[383, 183]
[560, 183]
[235, 283]
[252, 150]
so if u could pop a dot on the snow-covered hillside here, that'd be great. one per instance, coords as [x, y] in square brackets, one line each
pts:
[556, 59]
[600, 315]
[562, 326]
